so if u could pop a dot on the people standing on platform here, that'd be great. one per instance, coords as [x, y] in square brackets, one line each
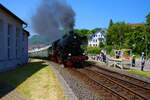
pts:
[142, 61]
[133, 61]
[103, 56]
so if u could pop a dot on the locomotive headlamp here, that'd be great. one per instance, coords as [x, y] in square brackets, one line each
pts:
[69, 54]
[74, 37]
[83, 53]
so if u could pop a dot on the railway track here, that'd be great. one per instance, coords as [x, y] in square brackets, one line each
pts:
[119, 87]
[103, 91]
[129, 79]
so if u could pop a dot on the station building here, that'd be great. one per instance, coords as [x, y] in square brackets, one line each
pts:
[13, 40]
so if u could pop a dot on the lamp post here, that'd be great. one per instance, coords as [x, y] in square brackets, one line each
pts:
[146, 44]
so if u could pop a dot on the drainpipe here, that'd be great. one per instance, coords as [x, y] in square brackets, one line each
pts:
[26, 25]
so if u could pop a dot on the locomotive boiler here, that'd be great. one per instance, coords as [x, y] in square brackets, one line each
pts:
[68, 51]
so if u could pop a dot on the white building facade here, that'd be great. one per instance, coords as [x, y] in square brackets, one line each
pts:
[95, 39]
[13, 40]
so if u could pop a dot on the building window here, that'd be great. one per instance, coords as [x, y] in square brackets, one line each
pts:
[1, 39]
[17, 40]
[96, 40]
[9, 37]
[1, 26]
[96, 45]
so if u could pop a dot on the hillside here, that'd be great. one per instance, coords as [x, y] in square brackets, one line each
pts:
[37, 40]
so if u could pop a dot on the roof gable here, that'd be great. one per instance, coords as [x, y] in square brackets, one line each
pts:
[12, 14]
[97, 34]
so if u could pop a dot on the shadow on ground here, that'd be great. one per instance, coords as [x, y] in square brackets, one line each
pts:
[18, 76]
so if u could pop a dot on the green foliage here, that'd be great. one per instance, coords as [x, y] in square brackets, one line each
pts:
[87, 32]
[130, 36]
[148, 19]
[136, 39]
[111, 23]
[116, 33]
[93, 50]
[82, 32]
[84, 47]
[37, 39]
[101, 45]
[108, 48]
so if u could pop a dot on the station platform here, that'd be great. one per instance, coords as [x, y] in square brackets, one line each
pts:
[138, 65]
[57, 87]
[7, 92]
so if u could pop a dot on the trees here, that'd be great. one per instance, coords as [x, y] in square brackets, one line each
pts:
[135, 39]
[131, 36]
[116, 34]
[110, 23]
[82, 32]
[148, 19]
[147, 34]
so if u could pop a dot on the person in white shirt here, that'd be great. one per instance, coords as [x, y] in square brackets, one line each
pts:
[142, 61]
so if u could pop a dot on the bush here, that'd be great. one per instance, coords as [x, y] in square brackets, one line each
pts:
[108, 49]
[93, 50]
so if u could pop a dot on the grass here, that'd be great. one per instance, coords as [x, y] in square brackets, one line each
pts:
[141, 73]
[36, 81]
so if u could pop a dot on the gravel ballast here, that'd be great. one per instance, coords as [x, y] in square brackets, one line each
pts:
[81, 91]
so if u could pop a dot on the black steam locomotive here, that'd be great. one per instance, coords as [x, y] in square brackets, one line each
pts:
[67, 50]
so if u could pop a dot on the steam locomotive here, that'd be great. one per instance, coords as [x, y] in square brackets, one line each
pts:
[68, 51]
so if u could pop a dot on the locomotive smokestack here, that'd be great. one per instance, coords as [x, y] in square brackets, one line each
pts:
[52, 18]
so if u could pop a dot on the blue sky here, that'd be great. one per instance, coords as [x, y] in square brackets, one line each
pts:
[89, 13]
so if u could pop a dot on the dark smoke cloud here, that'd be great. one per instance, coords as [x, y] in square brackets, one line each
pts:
[52, 18]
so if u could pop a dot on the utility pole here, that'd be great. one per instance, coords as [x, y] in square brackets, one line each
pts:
[146, 44]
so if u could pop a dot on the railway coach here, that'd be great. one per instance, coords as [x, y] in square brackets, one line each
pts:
[66, 51]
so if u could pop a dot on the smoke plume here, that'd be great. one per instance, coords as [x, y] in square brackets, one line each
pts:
[53, 18]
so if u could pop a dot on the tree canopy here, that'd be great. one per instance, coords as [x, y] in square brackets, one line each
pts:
[111, 23]
[130, 36]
